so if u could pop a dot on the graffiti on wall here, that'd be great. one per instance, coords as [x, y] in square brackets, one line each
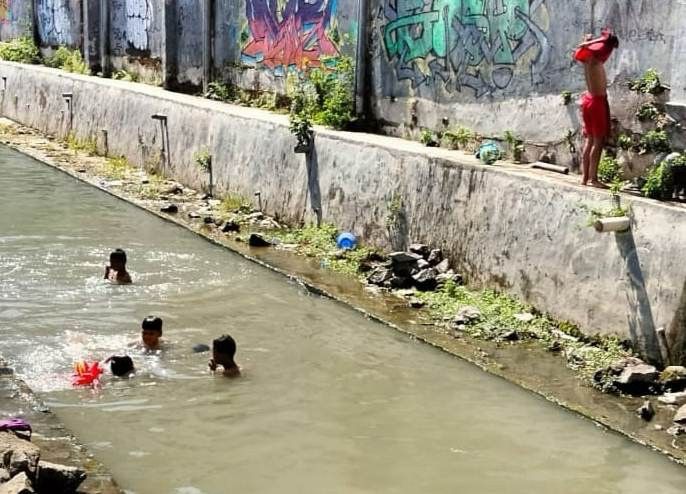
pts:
[6, 16]
[138, 21]
[475, 44]
[54, 22]
[290, 34]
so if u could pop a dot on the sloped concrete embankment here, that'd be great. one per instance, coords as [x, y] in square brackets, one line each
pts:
[505, 226]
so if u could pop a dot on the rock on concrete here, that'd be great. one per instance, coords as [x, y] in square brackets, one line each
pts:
[466, 315]
[425, 280]
[637, 379]
[673, 378]
[420, 249]
[58, 479]
[18, 455]
[20, 484]
[257, 240]
[680, 417]
[435, 257]
[646, 411]
[404, 257]
[379, 276]
[231, 226]
[443, 266]
[673, 398]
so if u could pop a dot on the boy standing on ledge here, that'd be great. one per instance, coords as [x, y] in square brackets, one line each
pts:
[595, 111]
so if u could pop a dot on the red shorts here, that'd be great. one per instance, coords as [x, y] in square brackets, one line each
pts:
[595, 112]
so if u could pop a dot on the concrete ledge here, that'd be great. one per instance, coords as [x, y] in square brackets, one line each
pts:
[505, 226]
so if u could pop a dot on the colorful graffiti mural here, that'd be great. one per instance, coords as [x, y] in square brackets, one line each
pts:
[6, 11]
[293, 34]
[476, 44]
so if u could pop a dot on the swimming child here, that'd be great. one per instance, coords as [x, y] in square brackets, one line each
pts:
[223, 352]
[151, 333]
[115, 271]
[121, 365]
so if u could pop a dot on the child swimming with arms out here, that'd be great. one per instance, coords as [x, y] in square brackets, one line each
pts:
[115, 271]
[223, 352]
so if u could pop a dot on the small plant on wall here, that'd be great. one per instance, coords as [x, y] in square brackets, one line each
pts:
[459, 137]
[69, 60]
[304, 105]
[428, 138]
[566, 97]
[516, 146]
[22, 50]
[609, 170]
[648, 83]
[646, 112]
[624, 142]
[203, 159]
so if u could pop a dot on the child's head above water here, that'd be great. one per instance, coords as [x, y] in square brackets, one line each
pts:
[121, 365]
[118, 259]
[151, 332]
[224, 348]
[223, 352]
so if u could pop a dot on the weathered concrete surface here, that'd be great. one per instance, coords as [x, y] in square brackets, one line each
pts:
[506, 227]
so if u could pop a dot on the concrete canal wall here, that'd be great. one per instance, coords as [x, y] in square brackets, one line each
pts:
[504, 226]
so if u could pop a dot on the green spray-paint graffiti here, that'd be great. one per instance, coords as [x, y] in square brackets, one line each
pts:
[478, 44]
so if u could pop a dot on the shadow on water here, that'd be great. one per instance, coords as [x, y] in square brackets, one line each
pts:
[313, 189]
[641, 322]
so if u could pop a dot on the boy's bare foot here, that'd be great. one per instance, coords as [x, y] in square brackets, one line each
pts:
[598, 184]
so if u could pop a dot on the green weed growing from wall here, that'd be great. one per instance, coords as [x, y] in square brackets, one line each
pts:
[648, 83]
[22, 50]
[68, 60]
[609, 170]
[125, 75]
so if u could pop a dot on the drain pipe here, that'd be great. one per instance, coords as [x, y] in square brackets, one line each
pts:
[618, 224]
[68, 100]
[104, 37]
[165, 140]
[550, 167]
[206, 44]
[361, 58]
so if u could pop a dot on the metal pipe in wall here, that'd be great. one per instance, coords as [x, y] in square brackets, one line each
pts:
[206, 44]
[361, 57]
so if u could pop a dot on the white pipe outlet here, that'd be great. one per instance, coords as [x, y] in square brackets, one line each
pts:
[617, 224]
[550, 167]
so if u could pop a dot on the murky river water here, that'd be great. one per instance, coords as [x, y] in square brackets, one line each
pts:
[329, 402]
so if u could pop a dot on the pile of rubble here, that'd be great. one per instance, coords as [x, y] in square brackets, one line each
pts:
[419, 267]
[23, 472]
[635, 377]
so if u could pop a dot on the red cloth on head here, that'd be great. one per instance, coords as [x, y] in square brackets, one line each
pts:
[595, 112]
[600, 48]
